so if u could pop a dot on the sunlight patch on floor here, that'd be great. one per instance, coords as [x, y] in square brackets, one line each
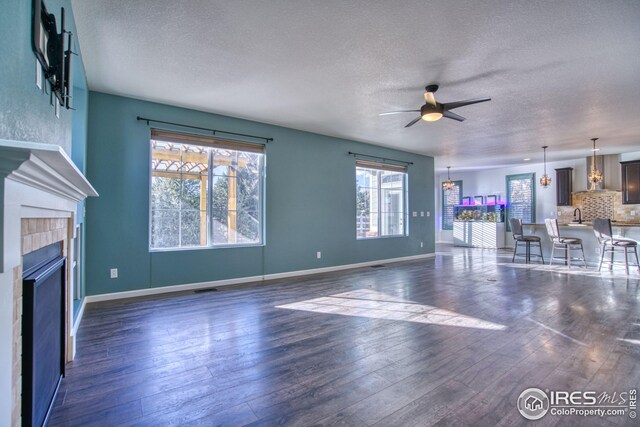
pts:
[378, 305]
[557, 332]
[630, 341]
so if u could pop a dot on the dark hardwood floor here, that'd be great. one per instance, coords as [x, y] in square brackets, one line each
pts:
[451, 340]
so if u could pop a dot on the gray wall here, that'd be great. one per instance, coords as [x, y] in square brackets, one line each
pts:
[493, 181]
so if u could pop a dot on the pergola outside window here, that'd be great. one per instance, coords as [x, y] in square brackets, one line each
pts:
[204, 191]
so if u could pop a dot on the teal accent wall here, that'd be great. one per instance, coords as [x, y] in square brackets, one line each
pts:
[26, 112]
[309, 203]
[79, 126]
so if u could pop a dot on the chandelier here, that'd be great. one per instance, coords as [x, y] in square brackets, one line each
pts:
[545, 180]
[595, 176]
[448, 185]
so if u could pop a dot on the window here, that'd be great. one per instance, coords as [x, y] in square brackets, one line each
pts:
[204, 191]
[380, 200]
[450, 199]
[521, 198]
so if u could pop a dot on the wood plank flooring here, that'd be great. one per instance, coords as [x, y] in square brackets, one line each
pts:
[232, 357]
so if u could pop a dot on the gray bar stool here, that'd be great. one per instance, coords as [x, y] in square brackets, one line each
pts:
[564, 243]
[519, 237]
[602, 229]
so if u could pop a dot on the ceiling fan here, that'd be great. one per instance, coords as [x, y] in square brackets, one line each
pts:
[433, 110]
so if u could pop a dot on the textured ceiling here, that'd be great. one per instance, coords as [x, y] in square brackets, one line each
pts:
[559, 72]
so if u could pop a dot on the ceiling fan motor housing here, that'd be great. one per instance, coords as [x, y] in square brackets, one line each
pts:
[428, 108]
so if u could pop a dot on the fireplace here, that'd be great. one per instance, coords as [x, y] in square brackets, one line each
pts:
[40, 188]
[43, 331]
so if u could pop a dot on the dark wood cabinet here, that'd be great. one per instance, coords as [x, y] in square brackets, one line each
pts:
[631, 182]
[564, 186]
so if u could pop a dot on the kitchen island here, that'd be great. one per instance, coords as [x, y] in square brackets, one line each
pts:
[585, 232]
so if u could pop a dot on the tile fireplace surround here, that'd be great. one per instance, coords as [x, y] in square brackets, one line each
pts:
[40, 190]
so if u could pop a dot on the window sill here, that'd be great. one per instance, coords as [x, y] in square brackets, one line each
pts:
[201, 248]
[397, 236]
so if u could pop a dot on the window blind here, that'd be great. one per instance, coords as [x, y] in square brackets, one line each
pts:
[450, 199]
[521, 198]
[209, 141]
[370, 164]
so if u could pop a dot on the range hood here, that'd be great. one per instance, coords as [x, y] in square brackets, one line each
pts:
[609, 165]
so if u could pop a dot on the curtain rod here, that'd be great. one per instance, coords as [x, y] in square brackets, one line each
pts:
[384, 159]
[144, 119]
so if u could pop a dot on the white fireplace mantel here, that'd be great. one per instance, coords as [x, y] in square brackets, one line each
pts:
[53, 182]
[44, 166]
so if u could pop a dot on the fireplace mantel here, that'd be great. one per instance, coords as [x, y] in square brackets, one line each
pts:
[56, 182]
[43, 166]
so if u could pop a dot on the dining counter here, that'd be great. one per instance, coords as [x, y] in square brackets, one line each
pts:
[585, 232]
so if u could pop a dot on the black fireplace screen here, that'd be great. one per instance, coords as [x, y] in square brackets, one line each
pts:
[43, 332]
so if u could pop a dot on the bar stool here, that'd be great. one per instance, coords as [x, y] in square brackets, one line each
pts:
[602, 229]
[518, 236]
[562, 243]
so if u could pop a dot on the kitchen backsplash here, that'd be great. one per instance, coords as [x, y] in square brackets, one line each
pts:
[600, 204]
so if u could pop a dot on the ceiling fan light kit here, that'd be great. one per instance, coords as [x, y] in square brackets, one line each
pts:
[431, 117]
[433, 110]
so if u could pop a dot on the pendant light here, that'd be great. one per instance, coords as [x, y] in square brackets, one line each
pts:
[545, 181]
[595, 176]
[448, 185]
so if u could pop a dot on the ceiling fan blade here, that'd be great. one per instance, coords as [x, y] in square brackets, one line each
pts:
[398, 112]
[413, 122]
[454, 116]
[458, 104]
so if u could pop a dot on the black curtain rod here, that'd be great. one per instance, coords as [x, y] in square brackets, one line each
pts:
[380, 158]
[214, 131]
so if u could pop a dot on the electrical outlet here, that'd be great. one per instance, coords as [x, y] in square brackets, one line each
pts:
[633, 213]
[318, 254]
[415, 214]
[421, 213]
[113, 273]
[428, 213]
[421, 244]
[559, 213]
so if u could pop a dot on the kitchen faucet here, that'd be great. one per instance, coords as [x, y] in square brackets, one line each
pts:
[579, 215]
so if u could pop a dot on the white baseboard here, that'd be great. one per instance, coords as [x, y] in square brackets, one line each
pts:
[71, 350]
[78, 319]
[218, 283]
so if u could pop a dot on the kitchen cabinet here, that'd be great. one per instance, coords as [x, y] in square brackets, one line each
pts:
[631, 182]
[564, 186]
